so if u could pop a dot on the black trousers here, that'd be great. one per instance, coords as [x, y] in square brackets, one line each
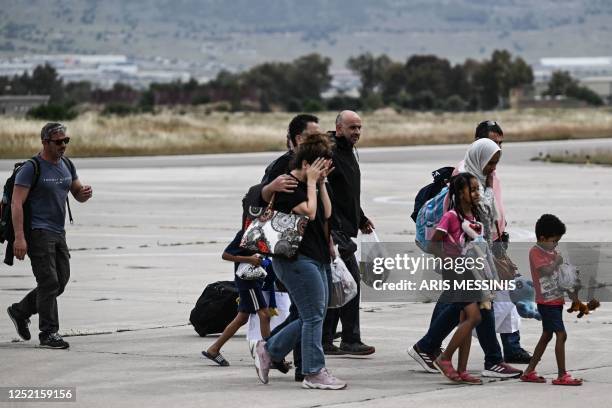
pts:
[50, 261]
[347, 314]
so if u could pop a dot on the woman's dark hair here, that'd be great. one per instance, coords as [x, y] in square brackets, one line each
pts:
[455, 189]
[312, 147]
[549, 226]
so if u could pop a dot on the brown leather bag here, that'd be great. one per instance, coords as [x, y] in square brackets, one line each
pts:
[506, 269]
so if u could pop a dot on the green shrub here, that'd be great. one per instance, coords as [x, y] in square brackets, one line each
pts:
[312, 105]
[423, 100]
[57, 112]
[372, 102]
[119, 109]
[583, 93]
[342, 102]
[455, 103]
[294, 105]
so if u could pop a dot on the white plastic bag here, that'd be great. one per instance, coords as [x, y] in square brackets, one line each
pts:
[247, 271]
[366, 254]
[343, 287]
[567, 276]
[283, 302]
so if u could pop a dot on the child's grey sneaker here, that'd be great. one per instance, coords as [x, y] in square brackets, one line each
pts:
[52, 341]
[262, 361]
[323, 380]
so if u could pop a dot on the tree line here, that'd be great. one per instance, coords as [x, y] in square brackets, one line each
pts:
[422, 82]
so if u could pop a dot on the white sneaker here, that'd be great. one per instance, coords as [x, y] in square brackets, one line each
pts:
[262, 361]
[252, 345]
[323, 380]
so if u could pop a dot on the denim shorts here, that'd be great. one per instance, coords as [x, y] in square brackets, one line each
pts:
[552, 318]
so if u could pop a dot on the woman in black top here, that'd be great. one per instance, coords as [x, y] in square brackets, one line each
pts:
[304, 276]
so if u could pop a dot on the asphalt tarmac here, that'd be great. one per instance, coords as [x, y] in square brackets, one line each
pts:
[151, 238]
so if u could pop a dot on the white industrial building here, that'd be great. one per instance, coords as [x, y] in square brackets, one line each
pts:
[103, 71]
[594, 73]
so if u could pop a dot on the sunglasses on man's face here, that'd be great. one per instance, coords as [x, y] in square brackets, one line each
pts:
[60, 142]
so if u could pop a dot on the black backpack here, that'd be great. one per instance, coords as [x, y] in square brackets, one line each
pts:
[440, 179]
[7, 232]
[215, 309]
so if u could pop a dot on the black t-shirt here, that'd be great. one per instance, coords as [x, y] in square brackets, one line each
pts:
[314, 242]
[277, 167]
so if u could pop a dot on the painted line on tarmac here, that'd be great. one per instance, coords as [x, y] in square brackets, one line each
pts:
[148, 254]
[153, 235]
[160, 214]
[85, 333]
[520, 235]
[395, 200]
[158, 195]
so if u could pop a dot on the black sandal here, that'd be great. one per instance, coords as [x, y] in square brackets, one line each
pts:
[219, 359]
[282, 366]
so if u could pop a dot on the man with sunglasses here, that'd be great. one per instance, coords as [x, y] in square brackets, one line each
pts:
[39, 198]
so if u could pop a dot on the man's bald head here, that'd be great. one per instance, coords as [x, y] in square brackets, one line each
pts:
[346, 114]
[348, 125]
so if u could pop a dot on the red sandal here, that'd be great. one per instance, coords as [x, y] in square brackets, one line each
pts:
[532, 377]
[447, 369]
[567, 379]
[466, 378]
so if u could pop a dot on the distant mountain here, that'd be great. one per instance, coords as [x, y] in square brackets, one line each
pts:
[235, 34]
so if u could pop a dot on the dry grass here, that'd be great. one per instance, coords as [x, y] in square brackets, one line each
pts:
[582, 157]
[171, 132]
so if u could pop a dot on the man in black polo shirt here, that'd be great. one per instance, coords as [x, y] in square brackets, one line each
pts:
[276, 179]
[345, 182]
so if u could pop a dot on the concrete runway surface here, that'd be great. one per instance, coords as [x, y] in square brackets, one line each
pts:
[151, 238]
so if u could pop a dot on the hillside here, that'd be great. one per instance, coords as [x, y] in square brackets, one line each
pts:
[213, 34]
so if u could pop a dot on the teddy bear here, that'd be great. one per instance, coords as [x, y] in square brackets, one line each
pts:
[523, 296]
[568, 277]
[583, 309]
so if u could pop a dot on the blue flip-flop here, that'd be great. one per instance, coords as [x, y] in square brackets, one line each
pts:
[219, 359]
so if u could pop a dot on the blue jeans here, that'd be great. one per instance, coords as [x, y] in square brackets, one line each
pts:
[297, 349]
[445, 318]
[306, 281]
